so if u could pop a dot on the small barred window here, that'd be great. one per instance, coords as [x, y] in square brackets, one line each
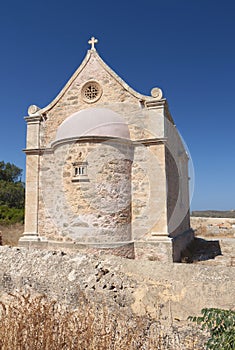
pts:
[80, 172]
[91, 92]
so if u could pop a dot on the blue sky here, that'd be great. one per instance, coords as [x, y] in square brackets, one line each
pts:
[185, 47]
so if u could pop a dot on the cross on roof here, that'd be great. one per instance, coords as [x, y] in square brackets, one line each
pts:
[92, 42]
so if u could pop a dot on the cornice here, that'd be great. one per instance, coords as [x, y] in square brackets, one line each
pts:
[155, 104]
[98, 139]
[150, 142]
[85, 139]
[37, 151]
[34, 119]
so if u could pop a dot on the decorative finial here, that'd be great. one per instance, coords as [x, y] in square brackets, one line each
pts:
[33, 109]
[92, 42]
[156, 93]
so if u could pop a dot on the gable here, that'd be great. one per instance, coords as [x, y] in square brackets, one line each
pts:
[95, 85]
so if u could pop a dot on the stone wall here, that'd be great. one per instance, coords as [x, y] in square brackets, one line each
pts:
[149, 192]
[87, 208]
[178, 182]
[213, 227]
[168, 292]
[183, 289]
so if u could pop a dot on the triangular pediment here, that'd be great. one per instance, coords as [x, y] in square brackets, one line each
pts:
[90, 66]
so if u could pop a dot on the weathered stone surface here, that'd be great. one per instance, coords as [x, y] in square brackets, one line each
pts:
[91, 210]
[140, 284]
[133, 191]
[168, 292]
[213, 227]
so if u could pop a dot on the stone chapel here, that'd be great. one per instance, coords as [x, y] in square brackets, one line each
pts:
[106, 170]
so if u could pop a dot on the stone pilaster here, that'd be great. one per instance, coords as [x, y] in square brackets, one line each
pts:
[32, 179]
[158, 205]
[157, 173]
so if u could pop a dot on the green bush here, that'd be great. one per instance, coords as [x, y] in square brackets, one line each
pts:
[11, 188]
[12, 194]
[221, 325]
[10, 216]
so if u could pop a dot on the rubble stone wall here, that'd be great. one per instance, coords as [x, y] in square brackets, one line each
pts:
[168, 292]
[213, 226]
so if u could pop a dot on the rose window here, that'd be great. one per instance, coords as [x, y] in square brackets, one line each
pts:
[91, 92]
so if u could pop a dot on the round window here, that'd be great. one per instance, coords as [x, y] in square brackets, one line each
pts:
[91, 92]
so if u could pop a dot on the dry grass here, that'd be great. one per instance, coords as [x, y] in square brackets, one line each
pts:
[11, 233]
[33, 323]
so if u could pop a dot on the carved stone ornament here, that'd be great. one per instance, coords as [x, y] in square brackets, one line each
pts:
[156, 93]
[91, 91]
[33, 109]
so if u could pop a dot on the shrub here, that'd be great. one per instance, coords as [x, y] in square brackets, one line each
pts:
[12, 190]
[221, 325]
[11, 215]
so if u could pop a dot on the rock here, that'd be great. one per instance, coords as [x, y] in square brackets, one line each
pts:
[168, 293]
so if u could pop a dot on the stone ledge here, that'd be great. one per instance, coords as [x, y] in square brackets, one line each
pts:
[183, 288]
[122, 249]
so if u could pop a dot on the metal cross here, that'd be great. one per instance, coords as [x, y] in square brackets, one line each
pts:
[92, 42]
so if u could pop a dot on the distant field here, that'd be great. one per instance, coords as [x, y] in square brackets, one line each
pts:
[214, 213]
